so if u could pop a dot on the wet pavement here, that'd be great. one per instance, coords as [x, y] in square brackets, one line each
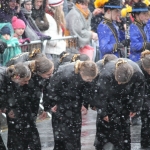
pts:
[88, 133]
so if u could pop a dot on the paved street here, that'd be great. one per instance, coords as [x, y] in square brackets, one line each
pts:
[88, 133]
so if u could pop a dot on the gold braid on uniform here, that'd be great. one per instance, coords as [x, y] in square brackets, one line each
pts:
[75, 57]
[120, 61]
[77, 66]
[61, 59]
[33, 52]
[144, 53]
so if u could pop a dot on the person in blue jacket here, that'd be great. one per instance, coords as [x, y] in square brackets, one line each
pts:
[138, 37]
[108, 31]
[147, 26]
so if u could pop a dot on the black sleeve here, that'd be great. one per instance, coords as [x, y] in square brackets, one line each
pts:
[100, 95]
[95, 21]
[52, 92]
[137, 94]
[3, 95]
[86, 93]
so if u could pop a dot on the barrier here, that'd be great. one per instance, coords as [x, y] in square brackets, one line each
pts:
[70, 40]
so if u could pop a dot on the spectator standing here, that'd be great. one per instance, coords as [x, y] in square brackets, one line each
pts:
[97, 15]
[132, 2]
[80, 25]
[56, 29]
[31, 31]
[65, 7]
[8, 9]
[38, 14]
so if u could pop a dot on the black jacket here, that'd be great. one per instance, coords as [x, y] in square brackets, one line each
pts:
[146, 104]
[13, 97]
[65, 85]
[3, 79]
[35, 89]
[66, 90]
[147, 79]
[112, 97]
[35, 85]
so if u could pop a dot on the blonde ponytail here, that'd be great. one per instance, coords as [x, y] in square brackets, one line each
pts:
[120, 61]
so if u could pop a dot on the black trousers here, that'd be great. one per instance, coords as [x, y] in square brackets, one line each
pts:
[116, 131]
[69, 144]
[67, 132]
[21, 137]
[145, 130]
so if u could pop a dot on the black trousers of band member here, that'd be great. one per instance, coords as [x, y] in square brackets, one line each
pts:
[67, 135]
[22, 138]
[116, 131]
[67, 144]
[145, 130]
[2, 145]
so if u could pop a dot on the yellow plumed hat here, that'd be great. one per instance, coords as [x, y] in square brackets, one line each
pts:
[100, 3]
[147, 2]
[126, 10]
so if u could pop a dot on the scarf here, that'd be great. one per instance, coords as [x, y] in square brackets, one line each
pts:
[85, 13]
[28, 19]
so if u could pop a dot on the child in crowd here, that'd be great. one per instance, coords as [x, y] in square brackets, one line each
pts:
[6, 35]
[19, 28]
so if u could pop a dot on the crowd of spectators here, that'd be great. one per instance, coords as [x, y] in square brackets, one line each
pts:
[32, 20]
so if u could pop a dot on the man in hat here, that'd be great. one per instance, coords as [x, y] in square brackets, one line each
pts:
[138, 36]
[110, 39]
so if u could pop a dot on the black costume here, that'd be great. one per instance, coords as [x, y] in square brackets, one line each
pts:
[3, 104]
[117, 101]
[66, 91]
[145, 113]
[22, 131]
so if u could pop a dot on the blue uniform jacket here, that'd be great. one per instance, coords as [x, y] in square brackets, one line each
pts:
[107, 40]
[147, 30]
[138, 40]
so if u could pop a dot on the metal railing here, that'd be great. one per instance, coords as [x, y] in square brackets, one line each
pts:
[71, 42]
